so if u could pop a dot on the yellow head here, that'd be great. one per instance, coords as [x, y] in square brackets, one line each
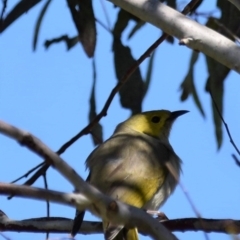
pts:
[154, 123]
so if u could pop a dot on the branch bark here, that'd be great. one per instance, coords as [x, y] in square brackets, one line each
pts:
[189, 32]
[64, 225]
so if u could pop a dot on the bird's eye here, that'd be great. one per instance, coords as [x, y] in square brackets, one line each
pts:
[155, 119]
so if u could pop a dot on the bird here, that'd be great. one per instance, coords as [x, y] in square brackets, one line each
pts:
[133, 166]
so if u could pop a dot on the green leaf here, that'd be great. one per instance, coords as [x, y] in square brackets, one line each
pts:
[217, 74]
[97, 132]
[38, 23]
[132, 92]
[188, 86]
[21, 7]
[84, 19]
[229, 19]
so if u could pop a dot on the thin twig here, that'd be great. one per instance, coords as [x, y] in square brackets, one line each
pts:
[35, 176]
[27, 173]
[225, 124]
[103, 25]
[3, 10]
[106, 13]
[46, 187]
[237, 161]
[175, 175]
[4, 236]
[47, 201]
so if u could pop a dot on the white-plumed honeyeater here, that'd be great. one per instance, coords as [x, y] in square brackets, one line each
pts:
[132, 166]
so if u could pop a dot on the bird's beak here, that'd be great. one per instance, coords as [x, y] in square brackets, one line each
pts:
[176, 114]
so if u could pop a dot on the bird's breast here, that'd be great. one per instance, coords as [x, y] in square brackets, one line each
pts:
[168, 186]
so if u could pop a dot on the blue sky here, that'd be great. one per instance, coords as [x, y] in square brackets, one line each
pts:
[47, 93]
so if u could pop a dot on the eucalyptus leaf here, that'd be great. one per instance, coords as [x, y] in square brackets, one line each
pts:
[84, 19]
[39, 22]
[188, 85]
[20, 8]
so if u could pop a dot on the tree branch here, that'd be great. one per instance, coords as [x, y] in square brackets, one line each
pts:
[43, 194]
[189, 32]
[64, 225]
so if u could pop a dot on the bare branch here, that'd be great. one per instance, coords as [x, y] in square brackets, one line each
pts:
[43, 194]
[64, 225]
[193, 34]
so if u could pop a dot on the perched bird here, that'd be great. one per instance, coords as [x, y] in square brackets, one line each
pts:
[133, 167]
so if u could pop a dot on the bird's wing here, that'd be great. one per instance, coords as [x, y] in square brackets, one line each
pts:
[128, 168]
[125, 168]
[77, 222]
[78, 219]
[111, 231]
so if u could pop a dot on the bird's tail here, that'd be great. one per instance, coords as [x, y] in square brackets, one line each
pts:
[77, 222]
[131, 234]
[119, 233]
